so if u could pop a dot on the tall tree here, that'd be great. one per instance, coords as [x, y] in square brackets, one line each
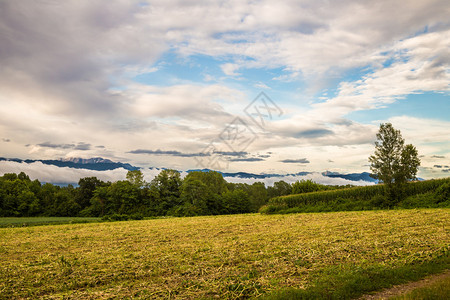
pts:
[393, 163]
[136, 178]
[168, 186]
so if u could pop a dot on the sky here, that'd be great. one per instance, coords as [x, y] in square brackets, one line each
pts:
[235, 86]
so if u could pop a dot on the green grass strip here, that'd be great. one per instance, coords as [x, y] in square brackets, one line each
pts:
[350, 283]
[439, 290]
[39, 221]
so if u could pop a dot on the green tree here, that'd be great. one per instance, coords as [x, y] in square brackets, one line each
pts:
[136, 178]
[280, 188]
[305, 186]
[212, 188]
[85, 190]
[393, 163]
[195, 194]
[167, 184]
[123, 198]
[236, 202]
[257, 195]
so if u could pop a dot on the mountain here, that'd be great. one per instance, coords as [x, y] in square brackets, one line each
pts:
[250, 175]
[96, 163]
[364, 176]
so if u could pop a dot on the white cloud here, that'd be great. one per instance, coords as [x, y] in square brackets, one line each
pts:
[230, 69]
[422, 64]
[68, 69]
[316, 177]
[54, 174]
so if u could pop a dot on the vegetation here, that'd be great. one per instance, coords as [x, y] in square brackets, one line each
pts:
[393, 163]
[199, 193]
[332, 255]
[430, 193]
[37, 221]
[438, 290]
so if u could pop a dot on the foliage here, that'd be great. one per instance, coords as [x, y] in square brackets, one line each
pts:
[305, 186]
[280, 188]
[136, 178]
[199, 193]
[393, 163]
[433, 193]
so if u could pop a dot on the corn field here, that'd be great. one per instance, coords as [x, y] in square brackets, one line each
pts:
[356, 194]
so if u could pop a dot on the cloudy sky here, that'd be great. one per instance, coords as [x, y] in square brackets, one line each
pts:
[253, 86]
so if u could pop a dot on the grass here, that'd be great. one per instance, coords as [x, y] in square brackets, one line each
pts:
[37, 221]
[436, 291]
[231, 257]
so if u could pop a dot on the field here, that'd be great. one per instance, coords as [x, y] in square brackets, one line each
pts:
[36, 221]
[234, 256]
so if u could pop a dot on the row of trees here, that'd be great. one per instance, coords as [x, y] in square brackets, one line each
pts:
[199, 193]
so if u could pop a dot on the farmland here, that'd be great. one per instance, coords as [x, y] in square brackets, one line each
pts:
[233, 256]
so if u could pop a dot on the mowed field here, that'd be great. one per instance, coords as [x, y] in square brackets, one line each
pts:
[234, 256]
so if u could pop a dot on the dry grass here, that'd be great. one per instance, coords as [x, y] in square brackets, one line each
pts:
[209, 257]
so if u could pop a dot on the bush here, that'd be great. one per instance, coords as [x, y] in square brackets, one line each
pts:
[380, 201]
[442, 193]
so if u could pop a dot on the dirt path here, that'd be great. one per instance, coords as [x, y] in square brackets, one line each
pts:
[401, 289]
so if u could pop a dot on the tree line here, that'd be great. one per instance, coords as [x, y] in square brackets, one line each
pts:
[199, 193]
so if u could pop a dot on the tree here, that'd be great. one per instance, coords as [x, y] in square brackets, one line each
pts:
[85, 190]
[305, 186]
[168, 186]
[136, 178]
[393, 163]
[236, 202]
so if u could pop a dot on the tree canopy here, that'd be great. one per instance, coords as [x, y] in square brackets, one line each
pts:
[393, 162]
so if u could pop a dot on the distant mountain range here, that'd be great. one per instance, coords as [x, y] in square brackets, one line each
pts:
[96, 163]
[102, 164]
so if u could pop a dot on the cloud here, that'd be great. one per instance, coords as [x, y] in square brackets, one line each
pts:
[230, 69]
[261, 85]
[440, 166]
[54, 174]
[232, 153]
[420, 64]
[247, 159]
[316, 177]
[80, 146]
[188, 102]
[314, 133]
[295, 161]
[437, 156]
[80, 69]
[169, 152]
